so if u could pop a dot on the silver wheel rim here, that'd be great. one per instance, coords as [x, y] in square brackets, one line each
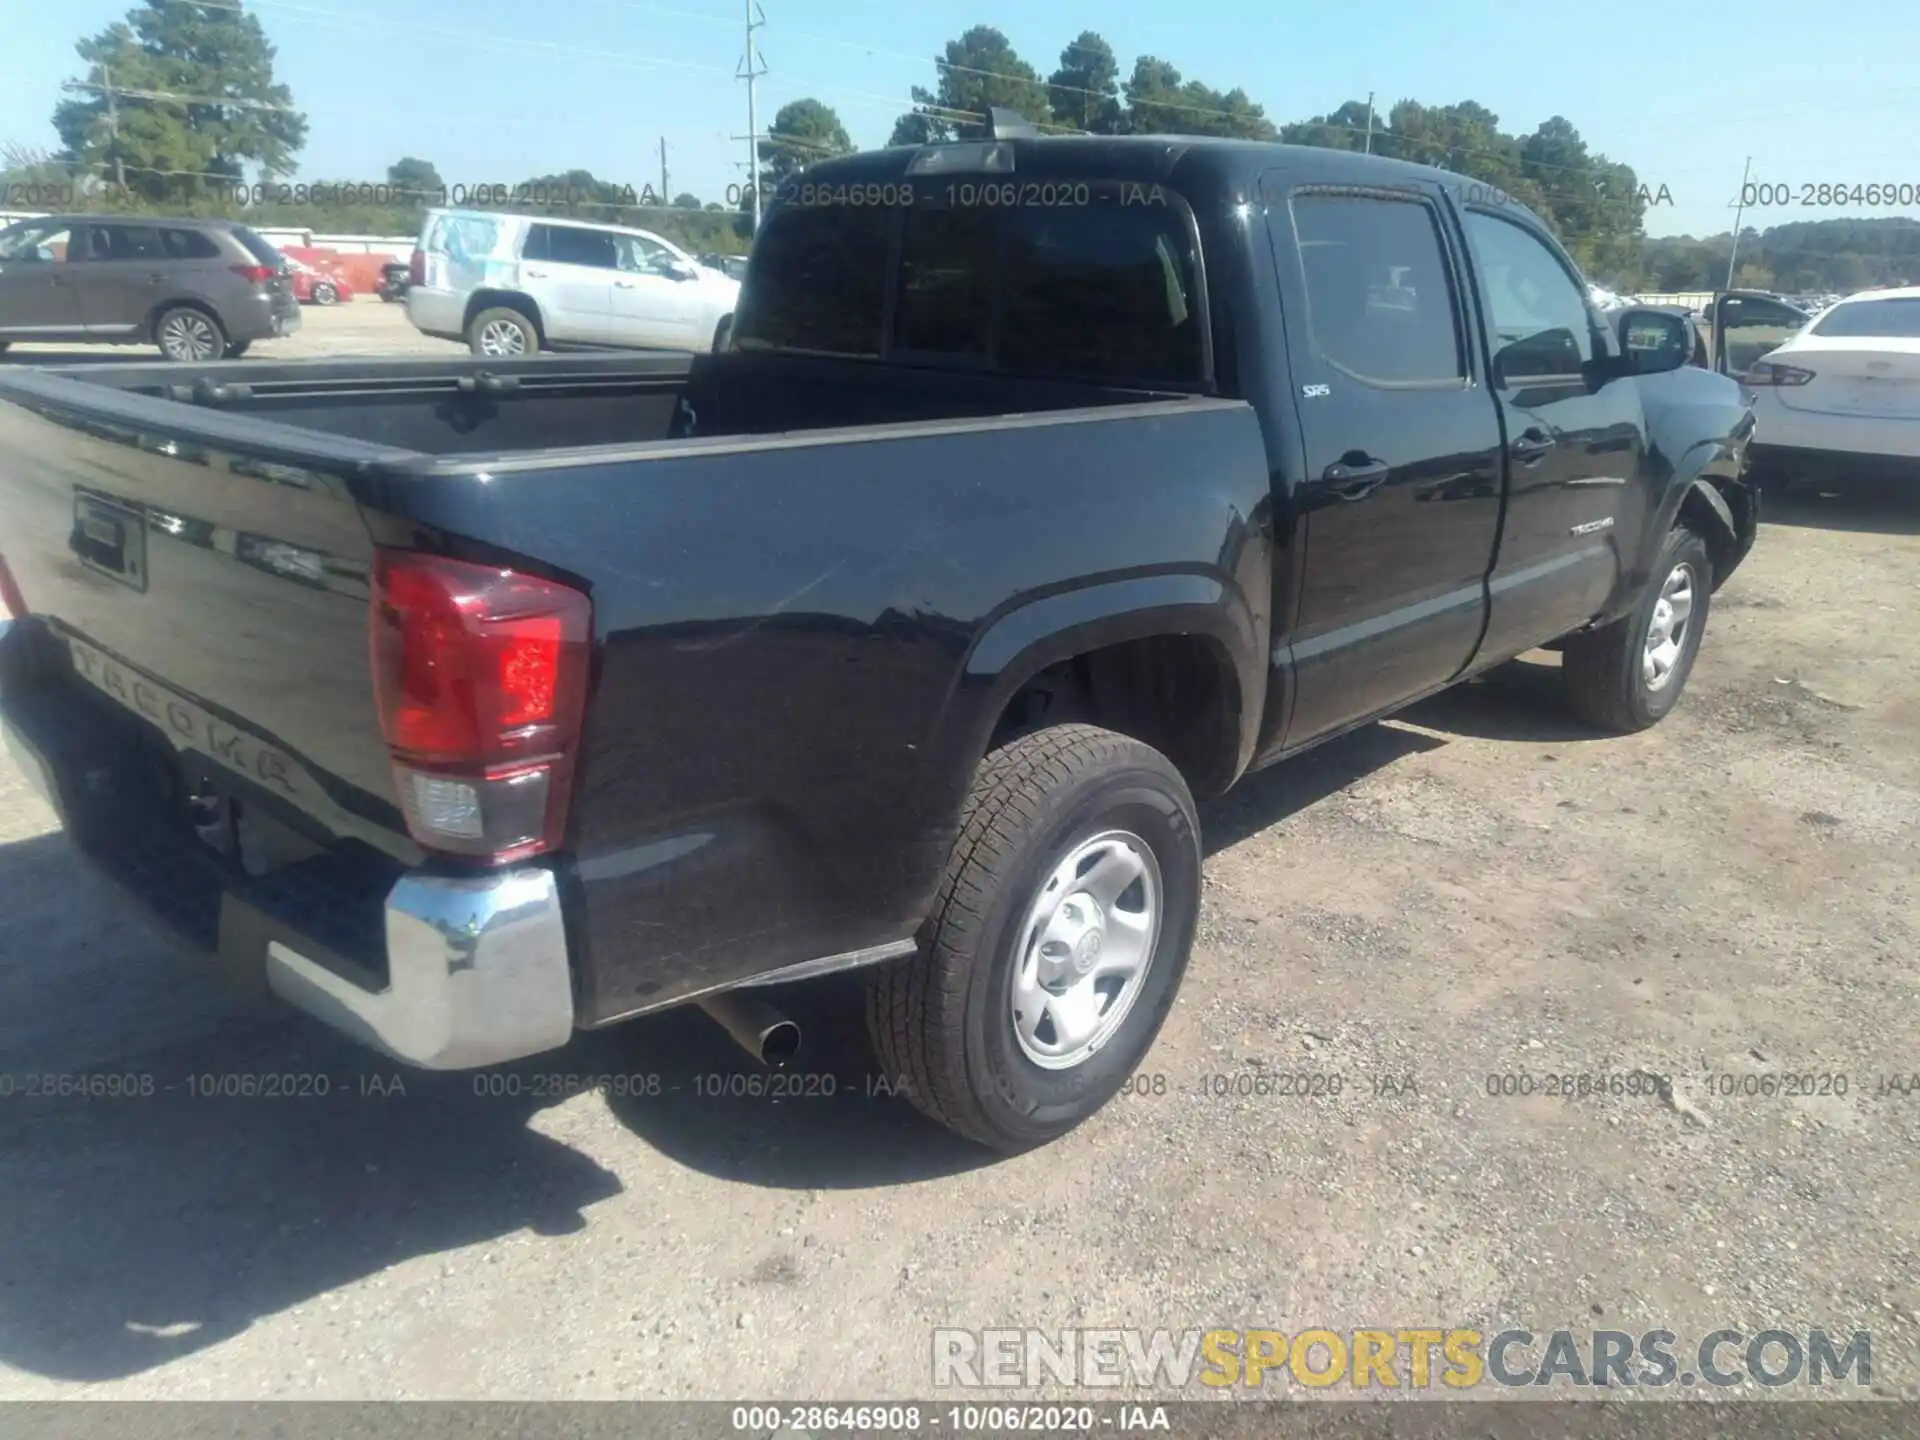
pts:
[502, 337]
[323, 295]
[1667, 631]
[1086, 946]
[185, 335]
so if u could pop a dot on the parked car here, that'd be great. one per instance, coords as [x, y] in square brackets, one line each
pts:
[315, 282]
[1840, 400]
[517, 284]
[198, 289]
[901, 635]
[395, 277]
[734, 267]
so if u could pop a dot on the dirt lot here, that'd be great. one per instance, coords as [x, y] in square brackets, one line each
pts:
[1479, 890]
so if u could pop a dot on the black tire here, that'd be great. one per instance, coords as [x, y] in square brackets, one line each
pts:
[186, 319]
[722, 333]
[237, 348]
[325, 294]
[942, 1019]
[1604, 669]
[506, 317]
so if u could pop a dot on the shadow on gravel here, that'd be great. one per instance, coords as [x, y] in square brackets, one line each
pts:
[1520, 700]
[177, 1160]
[1870, 509]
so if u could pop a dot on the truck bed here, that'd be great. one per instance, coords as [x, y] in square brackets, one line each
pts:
[473, 407]
[807, 577]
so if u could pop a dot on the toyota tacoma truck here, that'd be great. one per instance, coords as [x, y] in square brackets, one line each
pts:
[1047, 486]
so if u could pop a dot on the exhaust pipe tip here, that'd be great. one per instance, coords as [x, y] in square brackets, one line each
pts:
[756, 1027]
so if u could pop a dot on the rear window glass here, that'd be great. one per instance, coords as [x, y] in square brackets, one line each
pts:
[258, 247]
[189, 245]
[1097, 290]
[1868, 319]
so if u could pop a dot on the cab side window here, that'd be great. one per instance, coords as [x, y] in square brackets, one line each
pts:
[1380, 305]
[1542, 327]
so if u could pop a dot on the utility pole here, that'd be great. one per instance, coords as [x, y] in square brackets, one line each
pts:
[1739, 210]
[752, 67]
[666, 193]
[1369, 122]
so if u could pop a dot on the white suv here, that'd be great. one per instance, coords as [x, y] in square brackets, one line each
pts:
[517, 284]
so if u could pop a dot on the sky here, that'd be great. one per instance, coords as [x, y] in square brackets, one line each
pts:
[493, 91]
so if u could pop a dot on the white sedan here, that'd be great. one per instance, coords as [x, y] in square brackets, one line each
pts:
[1841, 399]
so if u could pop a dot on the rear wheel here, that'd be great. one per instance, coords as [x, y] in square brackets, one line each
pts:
[1057, 941]
[503, 333]
[186, 334]
[1626, 676]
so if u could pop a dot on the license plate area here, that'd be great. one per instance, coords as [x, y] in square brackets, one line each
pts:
[110, 539]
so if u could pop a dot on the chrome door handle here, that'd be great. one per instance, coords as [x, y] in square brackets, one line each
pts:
[1528, 448]
[1356, 481]
[625, 285]
[536, 274]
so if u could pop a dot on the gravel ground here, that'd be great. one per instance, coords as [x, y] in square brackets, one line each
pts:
[1477, 889]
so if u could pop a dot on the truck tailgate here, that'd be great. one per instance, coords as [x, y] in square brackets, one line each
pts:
[215, 594]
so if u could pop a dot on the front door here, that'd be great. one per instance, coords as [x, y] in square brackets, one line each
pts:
[1402, 496]
[36, 285]
[1574, 446]
[654, 305]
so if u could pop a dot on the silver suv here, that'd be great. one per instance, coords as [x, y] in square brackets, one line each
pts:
[516, 284]
[198, 289]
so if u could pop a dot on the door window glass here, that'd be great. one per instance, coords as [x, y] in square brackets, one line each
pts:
[41, 240]
[188, 245]
[127, 242]
[641, 256]
[568, 245]
[1380, 305]
[1541, 324]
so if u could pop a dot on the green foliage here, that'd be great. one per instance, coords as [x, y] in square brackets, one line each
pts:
[1160, 102]
[1837, 256]
[803, 132]
[1084, 93]
[177, 99]
[979, 72]
[413, 175]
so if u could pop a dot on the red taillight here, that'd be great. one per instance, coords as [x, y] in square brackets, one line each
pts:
[1771, 372]
[11, 600]
[481, 676]
[254, 274]
[417, 267]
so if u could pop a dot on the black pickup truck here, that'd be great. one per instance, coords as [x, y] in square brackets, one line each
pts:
[1048, 485]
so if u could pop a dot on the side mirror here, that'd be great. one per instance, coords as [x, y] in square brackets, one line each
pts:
[1653, 342]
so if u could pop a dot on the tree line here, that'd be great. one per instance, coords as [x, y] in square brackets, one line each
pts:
[179, 99]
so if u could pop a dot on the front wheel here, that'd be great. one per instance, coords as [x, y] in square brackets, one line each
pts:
[325, 294]
[1057, 941]
[1626, 676]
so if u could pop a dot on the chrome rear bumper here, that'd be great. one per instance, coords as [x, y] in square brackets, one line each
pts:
[477, 972]
[477, 966]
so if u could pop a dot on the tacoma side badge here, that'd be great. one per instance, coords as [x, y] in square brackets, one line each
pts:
[1314, 392]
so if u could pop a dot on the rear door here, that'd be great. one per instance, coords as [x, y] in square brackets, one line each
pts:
[1403, 464]
[122, 275]
[37, 297]
[1575, 447]
[569, 271]
[652, 303]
